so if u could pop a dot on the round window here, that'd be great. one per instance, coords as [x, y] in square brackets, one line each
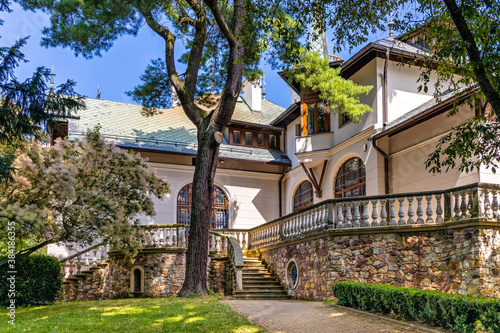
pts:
[292, 274]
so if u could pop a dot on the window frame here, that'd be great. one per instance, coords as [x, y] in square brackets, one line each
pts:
[303, 197]
[342, 190]
[220, 207]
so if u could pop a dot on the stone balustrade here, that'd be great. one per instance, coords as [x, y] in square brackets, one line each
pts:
[85, 260]
[466, 203]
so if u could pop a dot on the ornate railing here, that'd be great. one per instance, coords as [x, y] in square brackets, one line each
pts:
[475, 201]
[235, 257]
[84, 260]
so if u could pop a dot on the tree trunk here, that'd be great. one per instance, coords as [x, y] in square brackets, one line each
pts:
[195, 281]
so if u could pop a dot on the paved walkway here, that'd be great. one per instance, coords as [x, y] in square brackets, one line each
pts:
[314, 317]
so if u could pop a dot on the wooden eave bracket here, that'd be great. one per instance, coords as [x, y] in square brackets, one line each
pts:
[312, 178]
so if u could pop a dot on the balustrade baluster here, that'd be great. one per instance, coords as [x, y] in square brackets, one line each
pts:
[87, 261]
[174, 237]
[217, 247]
[340, 215]
[244, 242]
[167, 237]
[78, 264]
[401, 213]
[366, 216]
[429, 211]
[154, 237]
[392, 213]
[383, 213]
[494, 205]
[356, 216]
[182, 237]
[374, 214]
[439, 209]
[411, 212]
[71, 264]
[420, 210]
[161, 239]
[348, 215]
[456, 209]
[487, 204]
[103, 253]
[469, 203]
[94, 257]
[463, 205]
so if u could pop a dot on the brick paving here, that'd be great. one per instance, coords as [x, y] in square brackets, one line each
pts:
[314, 317]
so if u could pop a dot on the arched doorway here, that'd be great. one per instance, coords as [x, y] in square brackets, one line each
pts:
[220, 205]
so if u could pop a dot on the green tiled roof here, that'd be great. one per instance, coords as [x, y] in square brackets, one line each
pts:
[170, 131]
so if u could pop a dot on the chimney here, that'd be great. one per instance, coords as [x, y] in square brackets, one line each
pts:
[174, 99]
[252, 95]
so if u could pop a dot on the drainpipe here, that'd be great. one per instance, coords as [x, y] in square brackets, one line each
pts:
[385, 107]
[280, 196]
[386, 165]
[280, 183]
[385, 112]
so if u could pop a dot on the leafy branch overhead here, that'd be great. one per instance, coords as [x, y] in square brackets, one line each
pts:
[315, 73]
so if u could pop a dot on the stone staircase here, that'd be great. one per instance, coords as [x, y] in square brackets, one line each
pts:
[258, 282]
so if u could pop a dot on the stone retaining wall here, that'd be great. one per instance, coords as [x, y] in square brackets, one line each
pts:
[163, 276]
[463, 261]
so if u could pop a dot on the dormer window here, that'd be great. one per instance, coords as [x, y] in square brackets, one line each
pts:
[253, 138]
[248, 138]
[236, 137]
[60, 131]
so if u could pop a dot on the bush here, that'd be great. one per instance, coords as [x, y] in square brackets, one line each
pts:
[38, 281]
[456, 312]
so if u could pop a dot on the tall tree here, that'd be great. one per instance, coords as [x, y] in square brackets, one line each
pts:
[224, 41]
[28, 108]
[464, 39]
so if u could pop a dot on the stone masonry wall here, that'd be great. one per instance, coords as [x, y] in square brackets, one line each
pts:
[163, 276]
[217, 275]
[463, 261]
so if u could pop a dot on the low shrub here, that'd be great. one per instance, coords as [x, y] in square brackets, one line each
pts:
[37, 281]
[456, 312]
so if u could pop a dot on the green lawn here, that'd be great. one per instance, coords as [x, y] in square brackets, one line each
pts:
[130, 315]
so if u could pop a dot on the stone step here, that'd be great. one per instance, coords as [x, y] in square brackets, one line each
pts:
[260, 281]
[266, 297]
[255, 270]
[262, 287]
[256, 275]
[253, 263]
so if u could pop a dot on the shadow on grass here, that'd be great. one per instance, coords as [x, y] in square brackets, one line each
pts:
[132, 315]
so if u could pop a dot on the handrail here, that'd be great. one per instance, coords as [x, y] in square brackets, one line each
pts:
[80, 253]
[235, 255]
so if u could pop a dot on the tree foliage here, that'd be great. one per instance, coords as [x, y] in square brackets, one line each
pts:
[28, 108]
[463, 37]
[77, 193]
[342, 95]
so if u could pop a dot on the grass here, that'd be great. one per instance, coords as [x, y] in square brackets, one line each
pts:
[130, 315]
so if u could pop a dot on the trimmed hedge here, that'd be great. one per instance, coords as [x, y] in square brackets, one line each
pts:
[456, 312]
[38, 281]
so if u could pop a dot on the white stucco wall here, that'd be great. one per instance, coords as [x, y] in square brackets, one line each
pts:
[253, 196]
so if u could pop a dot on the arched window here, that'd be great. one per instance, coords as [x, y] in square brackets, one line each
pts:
[351, 179]
[220, 205]
[303, 196]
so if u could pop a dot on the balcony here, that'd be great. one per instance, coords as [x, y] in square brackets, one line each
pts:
[309, 143]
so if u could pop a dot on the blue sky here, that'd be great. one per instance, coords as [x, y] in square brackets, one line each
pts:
[117, 71]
